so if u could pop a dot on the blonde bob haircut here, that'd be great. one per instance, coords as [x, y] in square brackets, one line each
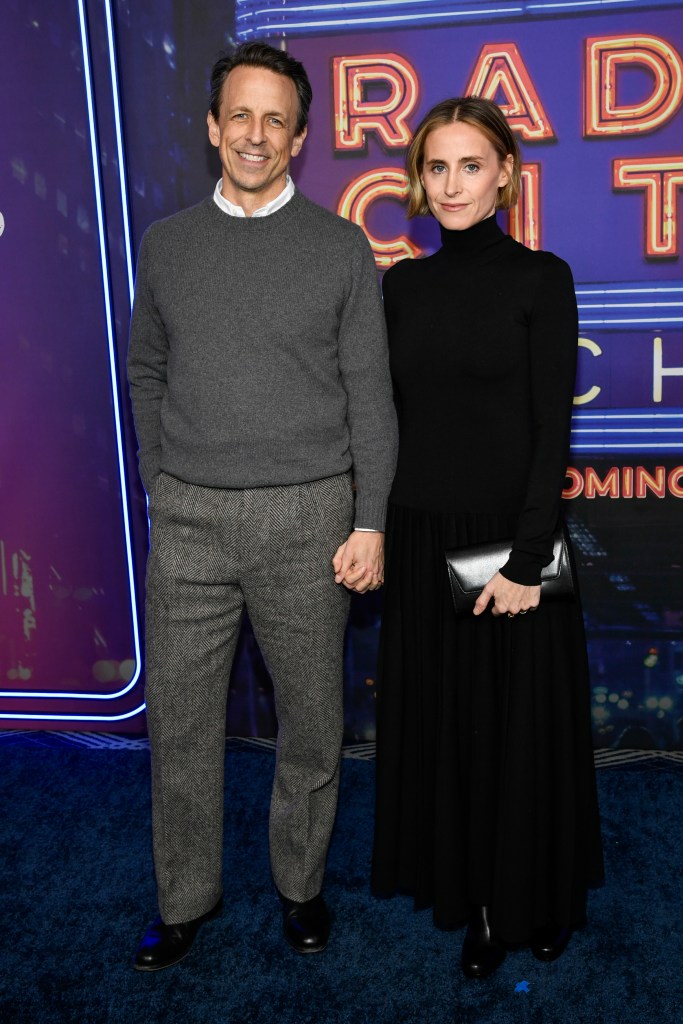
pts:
[482, 114]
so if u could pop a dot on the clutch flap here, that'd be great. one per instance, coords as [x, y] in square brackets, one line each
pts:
[471, 568]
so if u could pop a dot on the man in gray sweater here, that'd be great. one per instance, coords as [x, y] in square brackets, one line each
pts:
[259, 380]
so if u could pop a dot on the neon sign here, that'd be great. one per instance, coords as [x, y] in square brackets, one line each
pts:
[501, 72]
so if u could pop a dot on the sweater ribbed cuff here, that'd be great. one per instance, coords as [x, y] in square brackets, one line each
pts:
[371, 512]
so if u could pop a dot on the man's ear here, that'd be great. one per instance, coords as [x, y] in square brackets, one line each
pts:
[298, 142]
[214, 130]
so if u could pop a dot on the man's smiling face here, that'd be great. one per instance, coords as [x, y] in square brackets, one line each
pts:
[255, 135]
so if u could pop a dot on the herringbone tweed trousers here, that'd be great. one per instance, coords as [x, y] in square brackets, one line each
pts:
[213, 551]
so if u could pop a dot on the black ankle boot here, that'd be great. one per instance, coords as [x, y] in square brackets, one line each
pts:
[481, 953]
[550, 942]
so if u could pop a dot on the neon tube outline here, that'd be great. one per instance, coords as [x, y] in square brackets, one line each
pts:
[33, 695]
[262, 15]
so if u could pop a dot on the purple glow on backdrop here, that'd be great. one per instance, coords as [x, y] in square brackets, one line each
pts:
[66, 610]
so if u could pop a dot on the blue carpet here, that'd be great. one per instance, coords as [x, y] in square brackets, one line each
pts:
[77, 890]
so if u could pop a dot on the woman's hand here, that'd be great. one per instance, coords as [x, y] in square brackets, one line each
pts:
[508, 598]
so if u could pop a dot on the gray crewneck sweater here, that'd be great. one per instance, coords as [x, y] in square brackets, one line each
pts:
[258, 353]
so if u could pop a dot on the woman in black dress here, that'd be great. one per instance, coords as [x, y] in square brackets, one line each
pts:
[486, 803]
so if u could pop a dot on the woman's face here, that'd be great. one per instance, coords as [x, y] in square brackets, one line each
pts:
[461, 175]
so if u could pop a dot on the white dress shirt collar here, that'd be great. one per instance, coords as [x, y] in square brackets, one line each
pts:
[236, 211]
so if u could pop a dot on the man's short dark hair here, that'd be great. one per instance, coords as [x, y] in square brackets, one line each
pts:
[261, 55]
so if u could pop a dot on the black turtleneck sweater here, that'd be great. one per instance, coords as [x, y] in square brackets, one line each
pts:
[483, 342]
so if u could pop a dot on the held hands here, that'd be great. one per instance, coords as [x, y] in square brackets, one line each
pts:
[358, 563]
[508, 598]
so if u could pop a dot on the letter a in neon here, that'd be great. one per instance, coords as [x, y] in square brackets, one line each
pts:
[500, 69]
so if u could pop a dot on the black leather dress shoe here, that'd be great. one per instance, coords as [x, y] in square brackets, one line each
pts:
[550, 942]
[306, 926]
[164, 945]
[481, 953]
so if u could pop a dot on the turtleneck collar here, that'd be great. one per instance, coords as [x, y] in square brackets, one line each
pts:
[471, 241]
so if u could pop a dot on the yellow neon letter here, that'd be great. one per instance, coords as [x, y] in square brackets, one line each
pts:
[382, 183]
[593, 392]
[603, 114]
[355, 115]
[500, 67]
[659, 371]
[660, 177]
[524, 219]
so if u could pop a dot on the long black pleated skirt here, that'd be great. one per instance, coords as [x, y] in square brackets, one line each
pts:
[485, 779]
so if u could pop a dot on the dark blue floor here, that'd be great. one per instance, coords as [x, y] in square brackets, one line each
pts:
[77, 889]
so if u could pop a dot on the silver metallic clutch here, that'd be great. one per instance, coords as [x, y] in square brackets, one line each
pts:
[470, 569]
